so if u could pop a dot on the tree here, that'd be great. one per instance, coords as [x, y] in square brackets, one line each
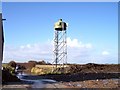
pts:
[12, 64]
[31, 64]
[42, 62]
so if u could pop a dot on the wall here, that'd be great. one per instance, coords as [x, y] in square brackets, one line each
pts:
[1, 40]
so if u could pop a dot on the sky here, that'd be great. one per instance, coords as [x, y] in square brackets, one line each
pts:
[92, 33]
[0, 7]
[60, 0]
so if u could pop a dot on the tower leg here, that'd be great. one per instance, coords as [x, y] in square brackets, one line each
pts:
[60, 49]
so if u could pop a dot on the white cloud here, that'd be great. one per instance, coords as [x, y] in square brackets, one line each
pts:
[28, 52]
[28, 46]
[105, 53]
[21, 47]
[73, 43]
[76, 43]
[88, 45]
[78, 52]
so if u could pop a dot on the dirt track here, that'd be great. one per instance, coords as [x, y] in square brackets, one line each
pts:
[104, 83]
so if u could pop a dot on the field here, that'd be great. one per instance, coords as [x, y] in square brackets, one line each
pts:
[80, 76]
[87, 76]
[83, 68]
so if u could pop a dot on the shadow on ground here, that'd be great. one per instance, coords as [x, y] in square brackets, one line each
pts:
[75, 77]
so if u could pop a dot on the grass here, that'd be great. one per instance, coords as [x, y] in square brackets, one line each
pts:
[46, 69]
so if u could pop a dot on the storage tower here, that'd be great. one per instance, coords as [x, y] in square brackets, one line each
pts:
[60, 44]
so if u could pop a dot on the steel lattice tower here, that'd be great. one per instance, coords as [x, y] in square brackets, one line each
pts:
[60, 43]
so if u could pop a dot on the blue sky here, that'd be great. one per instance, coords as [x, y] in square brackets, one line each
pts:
[0, 7]
[90, 24]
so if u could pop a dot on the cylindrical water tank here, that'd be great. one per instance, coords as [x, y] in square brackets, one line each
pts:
[60, 25]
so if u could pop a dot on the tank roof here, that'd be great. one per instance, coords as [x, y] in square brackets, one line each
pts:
[60, 25]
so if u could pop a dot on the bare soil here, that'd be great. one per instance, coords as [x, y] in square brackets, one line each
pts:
[89, 76]
[86, 76]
